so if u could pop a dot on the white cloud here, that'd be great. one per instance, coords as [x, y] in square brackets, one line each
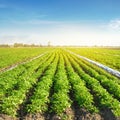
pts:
[115, 24]
[62, 34]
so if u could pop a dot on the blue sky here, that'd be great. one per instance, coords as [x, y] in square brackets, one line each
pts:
[63, 22]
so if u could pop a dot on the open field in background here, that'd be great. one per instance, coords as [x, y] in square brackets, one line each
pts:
[58, 85]
[12, 56]
[106, 56]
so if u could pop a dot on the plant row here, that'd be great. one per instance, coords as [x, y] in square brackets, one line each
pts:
[11, 56]
[109, 57]
[10, 79]
[80, 92]
[110, 84]
[10, 104]
[39, 101]
[60, 100]
[101, 96]
[101, 71]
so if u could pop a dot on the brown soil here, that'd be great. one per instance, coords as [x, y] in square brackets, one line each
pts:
[6, 117]
[69, 114]
[108, 115]
[82, 114]
[34, 117]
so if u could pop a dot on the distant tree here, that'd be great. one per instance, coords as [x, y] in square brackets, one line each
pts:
[18, 45]
[26, 45]
[4, 45]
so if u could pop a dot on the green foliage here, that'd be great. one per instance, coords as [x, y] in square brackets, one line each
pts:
[56, 77]
[110, 84]
[17, 95]
[10, 56]
[40, 98]
[103, 98]
[79, 90]
[107, 56]
[60, 100]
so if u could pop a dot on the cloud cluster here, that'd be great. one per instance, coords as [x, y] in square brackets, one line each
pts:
[62, 33]
[114, 24]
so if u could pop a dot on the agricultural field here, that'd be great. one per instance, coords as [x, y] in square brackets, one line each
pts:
[12, 56]
[106, 56]
[59, 86]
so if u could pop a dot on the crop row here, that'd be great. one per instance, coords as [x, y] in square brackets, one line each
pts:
[10, 104]
[40, 98]
[101, 95]
[53, 83]
[109, 57]
[81, 93]
[11, 56]
[110, 84]
[9, 79]
[60, 99]
[100, 71]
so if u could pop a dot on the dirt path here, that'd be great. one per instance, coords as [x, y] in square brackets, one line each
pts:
[108, 69]
[20, 63]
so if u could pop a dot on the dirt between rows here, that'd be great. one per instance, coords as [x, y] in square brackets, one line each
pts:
[78, 114]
